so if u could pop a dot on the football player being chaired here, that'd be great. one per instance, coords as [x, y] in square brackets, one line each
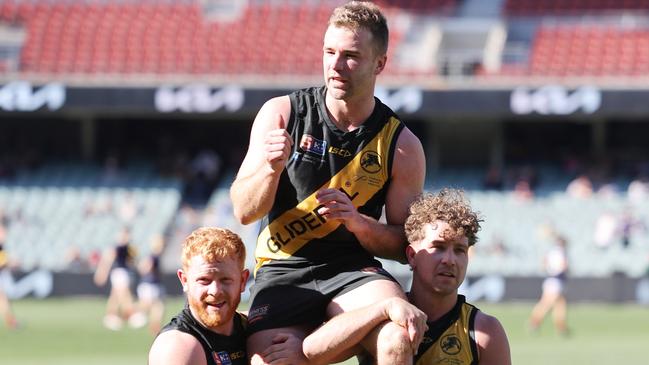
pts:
[440, 229]
[322, 164]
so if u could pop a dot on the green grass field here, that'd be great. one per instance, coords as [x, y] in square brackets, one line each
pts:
[69, 331]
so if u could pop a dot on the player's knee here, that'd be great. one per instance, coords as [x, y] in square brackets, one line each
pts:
[393, 344]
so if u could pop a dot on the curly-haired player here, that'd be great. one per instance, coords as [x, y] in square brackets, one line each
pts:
[440, 229]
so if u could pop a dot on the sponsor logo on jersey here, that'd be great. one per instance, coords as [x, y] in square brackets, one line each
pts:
[258, 313]
[308, 143]
[339, 152]
[222, 358]
[450, 344]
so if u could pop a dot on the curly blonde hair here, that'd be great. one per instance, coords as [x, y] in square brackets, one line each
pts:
[450, 206]
[213, 244]
[363, 14]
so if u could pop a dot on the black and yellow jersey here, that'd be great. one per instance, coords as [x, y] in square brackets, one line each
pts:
[357, 162]
[219, 349]
[450, 339]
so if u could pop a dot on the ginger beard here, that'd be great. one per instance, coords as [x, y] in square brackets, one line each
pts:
[214, 311]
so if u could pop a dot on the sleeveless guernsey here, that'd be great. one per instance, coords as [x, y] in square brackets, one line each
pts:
[219, 349]
[451, 339]
[358, 163]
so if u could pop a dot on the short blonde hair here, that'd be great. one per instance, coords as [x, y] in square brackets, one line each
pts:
[213, 244]
[363, 14]
[450, 206]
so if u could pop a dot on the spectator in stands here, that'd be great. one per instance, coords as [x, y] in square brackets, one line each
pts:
[638, 190]
[117, 262]
[493, 179]
[440, 230]
[606, 229]
[629, 223]
[555, 264]
[74, 262]
[5, 305]
[150, 291]
[317, 167]
[209, 330]
[523, 191]
[581, 187]
[128, 209]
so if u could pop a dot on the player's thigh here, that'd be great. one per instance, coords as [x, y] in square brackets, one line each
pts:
[366, 294]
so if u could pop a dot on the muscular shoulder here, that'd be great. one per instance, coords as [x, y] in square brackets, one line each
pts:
[491, 340]
[176, 347]
[278, 105]
[409, 159]
[408, 145]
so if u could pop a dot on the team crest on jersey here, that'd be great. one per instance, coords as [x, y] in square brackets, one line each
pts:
[308, 143]
[371, 162]
[222, 358]
[450, 344]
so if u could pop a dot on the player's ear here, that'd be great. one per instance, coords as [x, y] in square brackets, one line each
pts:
[410, 256]
[183, 279]
[380, 63]
[244, 279]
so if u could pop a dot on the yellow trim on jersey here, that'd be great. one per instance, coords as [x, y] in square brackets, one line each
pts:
[454, 345]
[297, 226]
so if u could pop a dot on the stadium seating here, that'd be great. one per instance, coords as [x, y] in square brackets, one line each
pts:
[569, 50]
[149, 37]
[56, 208]
[571, 7]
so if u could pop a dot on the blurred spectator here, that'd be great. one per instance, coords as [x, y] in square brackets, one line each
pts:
[628, 225]
[128, 209]
[111, 170]
[605, 230]
[638, 189]
[74, 261]
[208, 163]
[493, 180]
[523, 191]
[581, 187]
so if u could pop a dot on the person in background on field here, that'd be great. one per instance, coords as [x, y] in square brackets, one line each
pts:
[117, 263]
[209, 330]
[555, 264]
[150, 292]
[5, 305]
[321, 165]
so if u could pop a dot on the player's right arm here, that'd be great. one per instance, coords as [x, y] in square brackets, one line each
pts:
[344, 331]
[253, 190]
[176, 348]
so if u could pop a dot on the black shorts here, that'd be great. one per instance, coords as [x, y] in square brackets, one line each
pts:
[289, 294]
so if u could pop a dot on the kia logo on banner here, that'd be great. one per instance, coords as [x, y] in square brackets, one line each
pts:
[407, 99]
[198, 98]
[555, 100]
[21, 96]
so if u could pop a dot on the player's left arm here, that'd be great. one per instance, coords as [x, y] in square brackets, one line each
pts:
[493, 346]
